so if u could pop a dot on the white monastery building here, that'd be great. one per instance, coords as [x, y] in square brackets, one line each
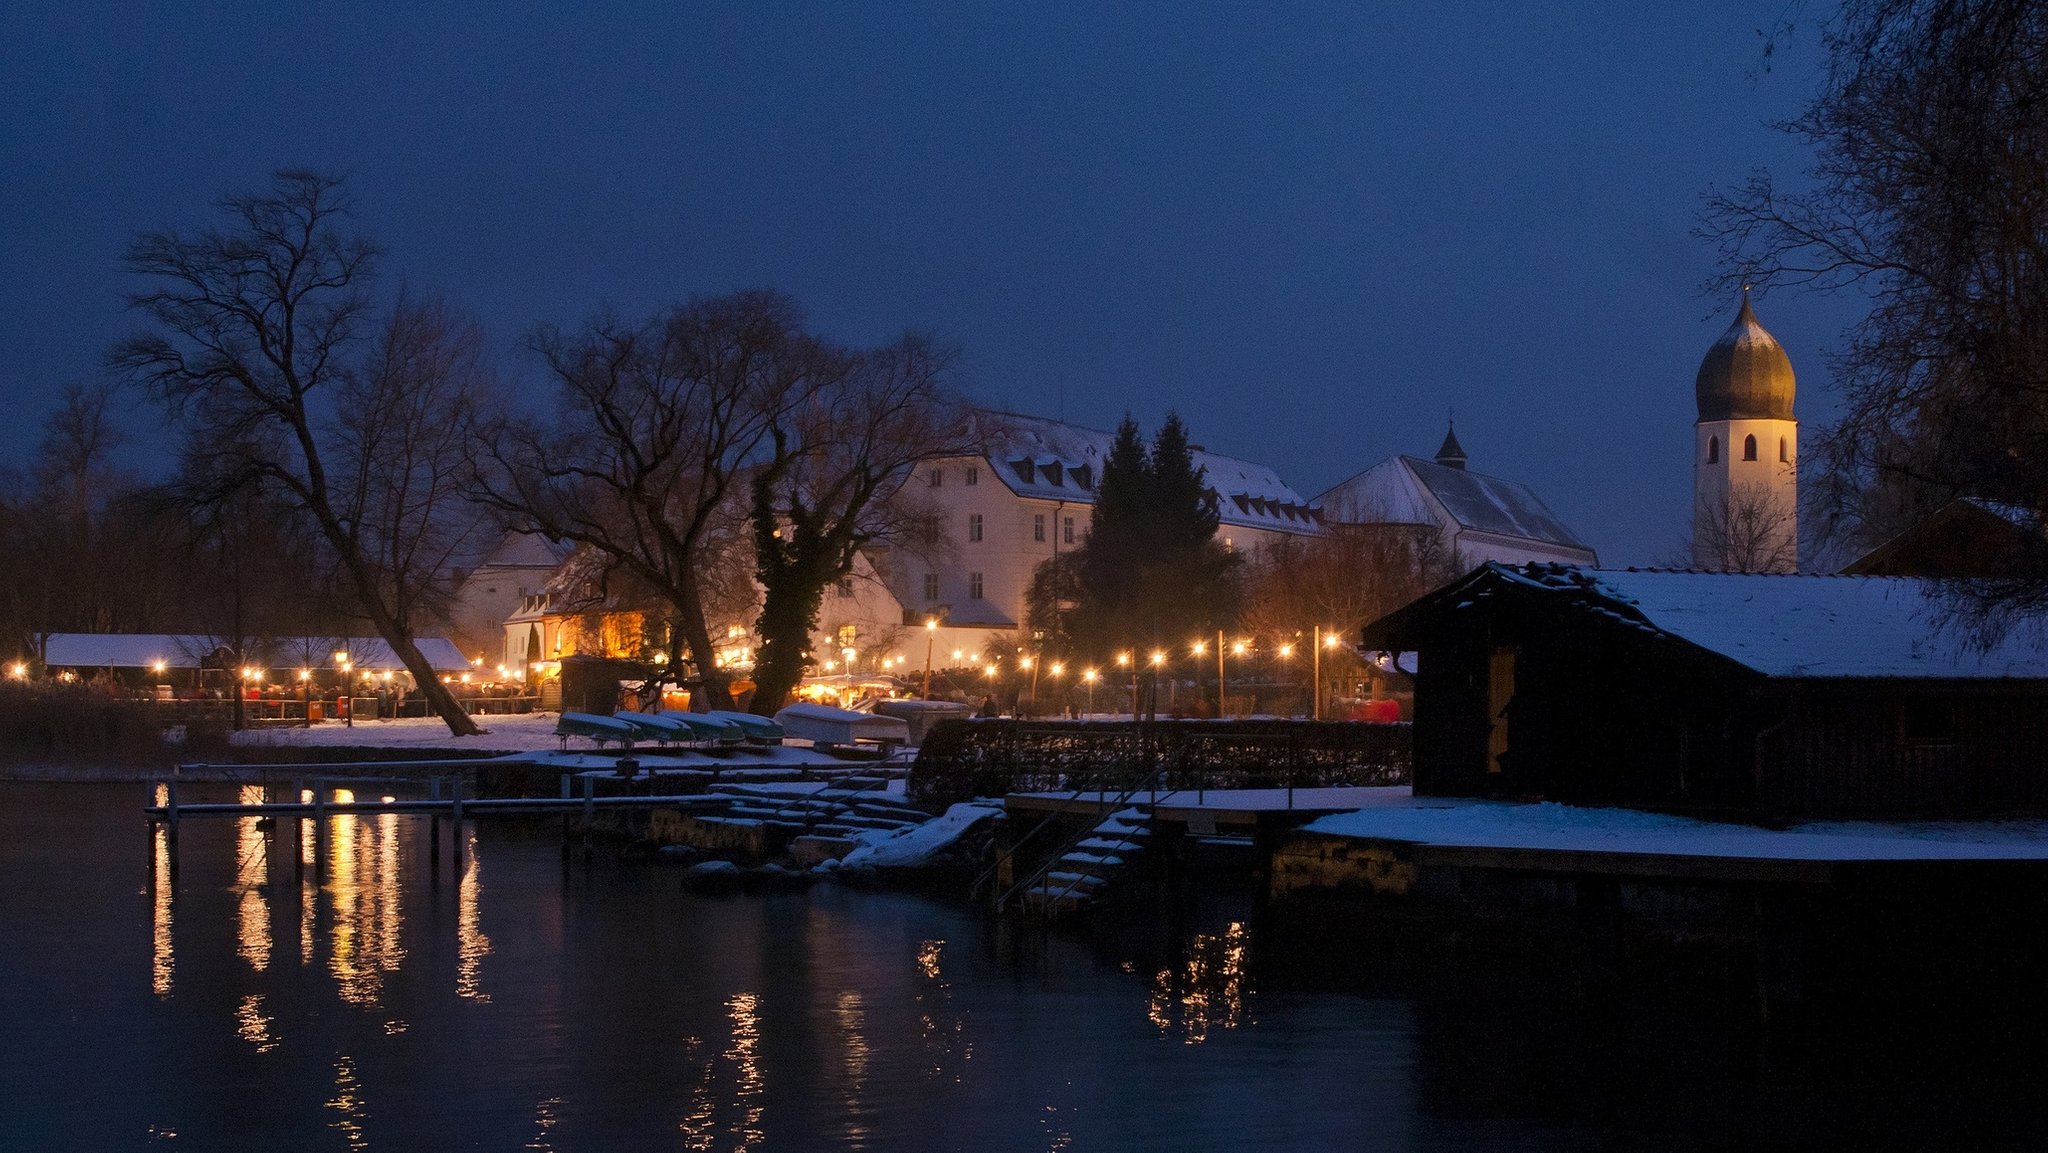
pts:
[1746, 453]
[1028, 500]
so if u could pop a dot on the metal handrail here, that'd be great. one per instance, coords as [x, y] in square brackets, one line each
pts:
[1038, 874]
[988, 874]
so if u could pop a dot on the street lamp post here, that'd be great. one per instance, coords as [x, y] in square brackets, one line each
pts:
[1089, 676]
[1315, 692]
[1124, 658]
[931, 632]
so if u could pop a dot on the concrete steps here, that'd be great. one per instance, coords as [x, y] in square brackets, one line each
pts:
[1084, 870]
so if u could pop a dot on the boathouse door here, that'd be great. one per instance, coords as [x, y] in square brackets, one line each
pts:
[1500, 695]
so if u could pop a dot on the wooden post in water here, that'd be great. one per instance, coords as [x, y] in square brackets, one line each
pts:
[455, 823]
[171, 820]
[589, 812]
[434, 826]
[319, 830]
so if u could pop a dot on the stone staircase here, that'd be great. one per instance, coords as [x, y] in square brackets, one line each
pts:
[1087, 866]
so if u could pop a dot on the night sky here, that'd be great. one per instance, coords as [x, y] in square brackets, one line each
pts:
[1312, 229]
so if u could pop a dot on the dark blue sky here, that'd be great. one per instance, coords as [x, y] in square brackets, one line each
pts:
[1311, 228]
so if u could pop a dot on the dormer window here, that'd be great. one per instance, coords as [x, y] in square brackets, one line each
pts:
[1713, 450]
[973, 475]
[1749, 448]
[935, 477]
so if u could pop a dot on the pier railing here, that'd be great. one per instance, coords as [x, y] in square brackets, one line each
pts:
[961, 759]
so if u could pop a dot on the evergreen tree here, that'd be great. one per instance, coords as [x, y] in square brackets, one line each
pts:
[1183, 506]
[1151, 573]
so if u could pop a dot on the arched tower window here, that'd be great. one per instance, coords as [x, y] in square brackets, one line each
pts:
[1749, 448]
[1784, 451]
[1713, 450]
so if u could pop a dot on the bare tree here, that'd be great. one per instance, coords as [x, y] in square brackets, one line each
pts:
[1929, 195]
[1755, 532]
[643, 458]
[257, 335]
[838, 466]
[406, 424]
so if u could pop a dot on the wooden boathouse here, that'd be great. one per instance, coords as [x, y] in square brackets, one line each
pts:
[1769, 698]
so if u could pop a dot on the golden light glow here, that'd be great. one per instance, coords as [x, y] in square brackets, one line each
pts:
[745, 1055]
[471, 945]
[1198, 648]
[1237, 649]
[1158, 658]
[1057, 668]
[1123, 658]
[1329, 640]
[160, 666]
[1286, 651]
[931, 624]
[1089, 675]
[1023, 662]
[19, 670]
[252, 1026]
[163, 961]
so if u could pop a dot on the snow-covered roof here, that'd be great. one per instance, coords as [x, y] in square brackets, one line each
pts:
[1798, 626]
[524, 550]
[1407, 490]
[1052, 460]
[184, 651]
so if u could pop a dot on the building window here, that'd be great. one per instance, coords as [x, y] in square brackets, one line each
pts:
[1749, 448]
[1784, 451]
[1067, 530]
[1713, 450]
[845, 587]
[974, 526]
[1038, 526]
[974, 585]
[935, 477]
[931, 586]
[973, 475]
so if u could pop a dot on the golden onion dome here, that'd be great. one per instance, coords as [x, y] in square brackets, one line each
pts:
[1746, 375]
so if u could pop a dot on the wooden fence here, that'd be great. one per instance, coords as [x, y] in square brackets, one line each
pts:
[983, 758]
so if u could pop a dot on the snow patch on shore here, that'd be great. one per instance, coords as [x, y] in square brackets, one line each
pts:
[1456, 822]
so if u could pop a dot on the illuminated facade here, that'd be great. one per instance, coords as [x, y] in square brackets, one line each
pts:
[1746, 453]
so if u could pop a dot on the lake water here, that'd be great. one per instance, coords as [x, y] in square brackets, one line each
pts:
[519, 1004]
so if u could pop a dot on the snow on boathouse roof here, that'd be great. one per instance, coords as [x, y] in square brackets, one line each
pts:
[1797, 626]
[1052, 460]
[185, 651]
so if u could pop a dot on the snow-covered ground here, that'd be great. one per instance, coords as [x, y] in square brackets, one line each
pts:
[1458, 822]
[1247, 800]
[510, 733]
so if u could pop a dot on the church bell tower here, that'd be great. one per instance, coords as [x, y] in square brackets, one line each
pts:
[1745, 511]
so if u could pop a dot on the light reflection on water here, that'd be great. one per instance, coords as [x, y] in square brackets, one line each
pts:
[363, 892]
[348, 1102]
[163, 963]
[1207, 991]
[471, 943]
[252, 856]
[623, 1013]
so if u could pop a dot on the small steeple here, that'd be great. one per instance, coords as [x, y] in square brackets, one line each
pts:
[1452, 454]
